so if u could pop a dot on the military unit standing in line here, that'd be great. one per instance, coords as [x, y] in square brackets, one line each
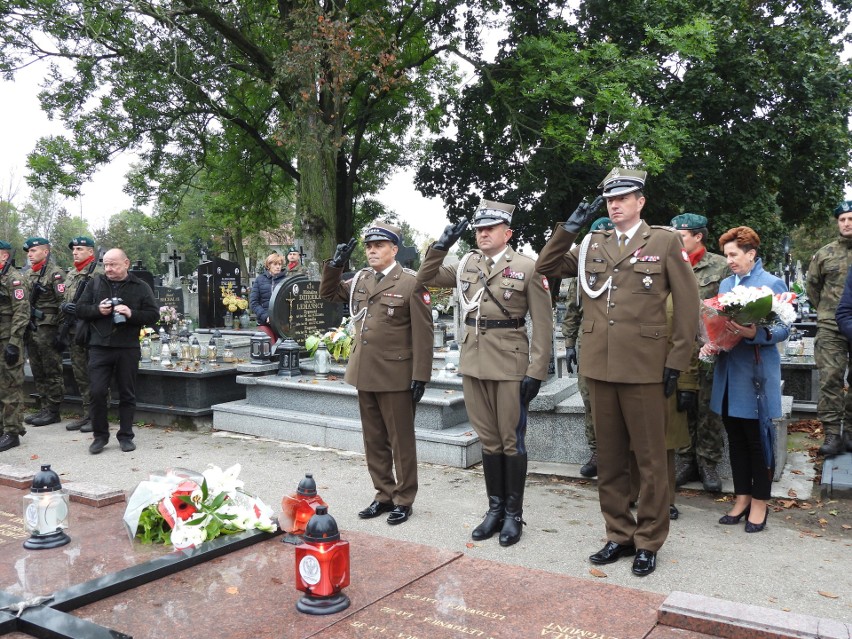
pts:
[14, 317]
[824, 282]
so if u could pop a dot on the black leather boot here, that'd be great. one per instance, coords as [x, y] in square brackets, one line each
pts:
[831, 446]
[516, 477]
[492, 466]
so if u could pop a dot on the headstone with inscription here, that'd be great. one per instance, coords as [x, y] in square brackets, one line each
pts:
[297, 311]
[211, 277]
[167, 296]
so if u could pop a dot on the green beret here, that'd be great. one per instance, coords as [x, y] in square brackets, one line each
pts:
[292, 249]
[602, 224]
[843, 207]
[35, 241]
[81, 240]
[689, 222]
[5, 246]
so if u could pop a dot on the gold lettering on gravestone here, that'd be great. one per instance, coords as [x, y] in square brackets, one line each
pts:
[398, 613]
[11, 528]
[559, 631]
[457, 627]
[460, 608]
[374, 629]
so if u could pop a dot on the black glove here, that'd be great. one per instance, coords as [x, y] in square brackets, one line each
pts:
[582, 215]
[451, 235]
[670, 376]
[529, 389]
[11, 354]
[69, 308]
[343, 253]
[686, 400]
[571, 358]
[59, 344]
[417, 390]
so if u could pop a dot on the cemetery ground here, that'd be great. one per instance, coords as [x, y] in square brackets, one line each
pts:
[800, 564]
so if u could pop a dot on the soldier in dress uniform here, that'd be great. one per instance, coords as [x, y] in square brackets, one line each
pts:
[824, 284]
[14, 317]
[501, 369]
[42, 336]
[700, 458]
[85, 267]
[626, 275]
[390, 362]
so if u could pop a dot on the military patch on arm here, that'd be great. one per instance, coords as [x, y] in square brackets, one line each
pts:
[545, 283]
[427, 299]
[19, 293]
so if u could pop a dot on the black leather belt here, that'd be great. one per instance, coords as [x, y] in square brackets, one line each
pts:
[487, 323]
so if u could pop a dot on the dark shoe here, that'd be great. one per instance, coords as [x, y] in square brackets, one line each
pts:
[49, 417]
[590, 468]
[674, 513]
[644, 563]
[612, 552]
[375, 509]
[97, 446]
[77, 424]
[686, 470]
[8, 440]
[29, 418]
[833, 445]
[753, 528]
[86, 428]
[516, 478]
[847, 439]
[733, 520]
[493, 519]
[127, 445]
[399, 515]
[710, 478]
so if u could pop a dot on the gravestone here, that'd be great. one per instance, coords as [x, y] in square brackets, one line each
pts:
[167, 296]
[211, 277]
[173, 259]
[142, 273]
[297, 311]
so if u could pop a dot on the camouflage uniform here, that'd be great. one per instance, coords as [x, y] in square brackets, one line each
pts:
[14, 316]
[45, 361]
[571, 333]
[825, 280]
[705, 427]
[79, 353]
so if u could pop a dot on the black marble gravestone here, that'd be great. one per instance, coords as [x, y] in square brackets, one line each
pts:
[211, 277]
[173, 297]
[297, 311]
[142, 273]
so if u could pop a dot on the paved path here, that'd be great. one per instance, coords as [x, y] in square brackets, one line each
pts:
[779, 568]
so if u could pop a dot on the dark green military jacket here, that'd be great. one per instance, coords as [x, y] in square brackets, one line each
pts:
[826, 278]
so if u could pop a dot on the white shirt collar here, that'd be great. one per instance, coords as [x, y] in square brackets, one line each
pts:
[629, 232]
[388, 269]
[497, 257]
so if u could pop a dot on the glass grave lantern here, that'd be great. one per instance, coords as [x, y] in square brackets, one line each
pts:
[288, 361]
[212, 350]
[46, 511]
[322, 567]
[298, 508]
[260, 348]
[322, 361]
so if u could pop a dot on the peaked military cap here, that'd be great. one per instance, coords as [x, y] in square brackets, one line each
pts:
[382, 231]
[602, 224]
[35, 241]
[689, 222]
[622, 181]
[81, 240]
[492, 213]
[5, 246]
[843, 207]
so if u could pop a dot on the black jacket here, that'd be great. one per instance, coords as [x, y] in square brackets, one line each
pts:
[261, 293]
[133, 292]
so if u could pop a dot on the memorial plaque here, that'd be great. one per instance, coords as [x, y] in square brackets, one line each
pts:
[211, 277]
[297, 310]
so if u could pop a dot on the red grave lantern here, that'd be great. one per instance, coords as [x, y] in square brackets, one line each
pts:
[322, 567]
[298, 508]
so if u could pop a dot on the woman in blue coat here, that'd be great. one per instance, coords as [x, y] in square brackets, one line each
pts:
[261, 292]
[734, 396]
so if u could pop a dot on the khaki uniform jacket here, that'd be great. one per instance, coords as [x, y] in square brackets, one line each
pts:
[625, 336]
[48, 302]
[74, 278]
[14, 309]
[503, 354]
[393, 345]
[826, 278]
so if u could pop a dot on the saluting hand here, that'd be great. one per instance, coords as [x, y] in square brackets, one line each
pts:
[343, 253]
[582, 215]
[451, 235]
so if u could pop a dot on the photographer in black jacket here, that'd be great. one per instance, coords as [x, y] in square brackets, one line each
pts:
[117, 305]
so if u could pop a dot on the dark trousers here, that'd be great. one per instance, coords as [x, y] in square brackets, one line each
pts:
[751, 477]
[106, 365]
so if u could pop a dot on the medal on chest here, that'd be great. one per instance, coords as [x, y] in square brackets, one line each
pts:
[647, 281]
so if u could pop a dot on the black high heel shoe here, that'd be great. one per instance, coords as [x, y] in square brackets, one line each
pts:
[733, 520]
[752, 528]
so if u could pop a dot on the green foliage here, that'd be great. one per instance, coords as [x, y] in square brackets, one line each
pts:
[152, 528]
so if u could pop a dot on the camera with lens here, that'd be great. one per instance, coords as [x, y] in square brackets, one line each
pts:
[117, 318]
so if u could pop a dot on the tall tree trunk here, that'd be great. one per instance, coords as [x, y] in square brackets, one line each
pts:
[318, 194]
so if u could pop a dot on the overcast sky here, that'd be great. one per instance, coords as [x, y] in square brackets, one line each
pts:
[22, 123]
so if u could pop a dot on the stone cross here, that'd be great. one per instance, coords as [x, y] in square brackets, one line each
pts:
[171, 255]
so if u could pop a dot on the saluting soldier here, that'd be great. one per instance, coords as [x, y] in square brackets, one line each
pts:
[14, 317]
[626, 276]
[699, 459]
[390, 362]
[501, 370]
[824, 283]
[47, 288]
[85, 268]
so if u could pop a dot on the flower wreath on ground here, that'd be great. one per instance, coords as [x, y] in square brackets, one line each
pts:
[743, 305]
[183, 508]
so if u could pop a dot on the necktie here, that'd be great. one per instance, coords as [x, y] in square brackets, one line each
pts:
[379, 277]
[622, 243]
[490, 263]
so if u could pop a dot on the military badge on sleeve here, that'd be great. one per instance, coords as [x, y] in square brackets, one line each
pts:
[545, 283]
[19, 293]
[684, 254]
[60, 288]
[427, 299]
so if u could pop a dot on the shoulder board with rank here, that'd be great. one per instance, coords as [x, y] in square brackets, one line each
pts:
[663, 227]
[409, 271]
